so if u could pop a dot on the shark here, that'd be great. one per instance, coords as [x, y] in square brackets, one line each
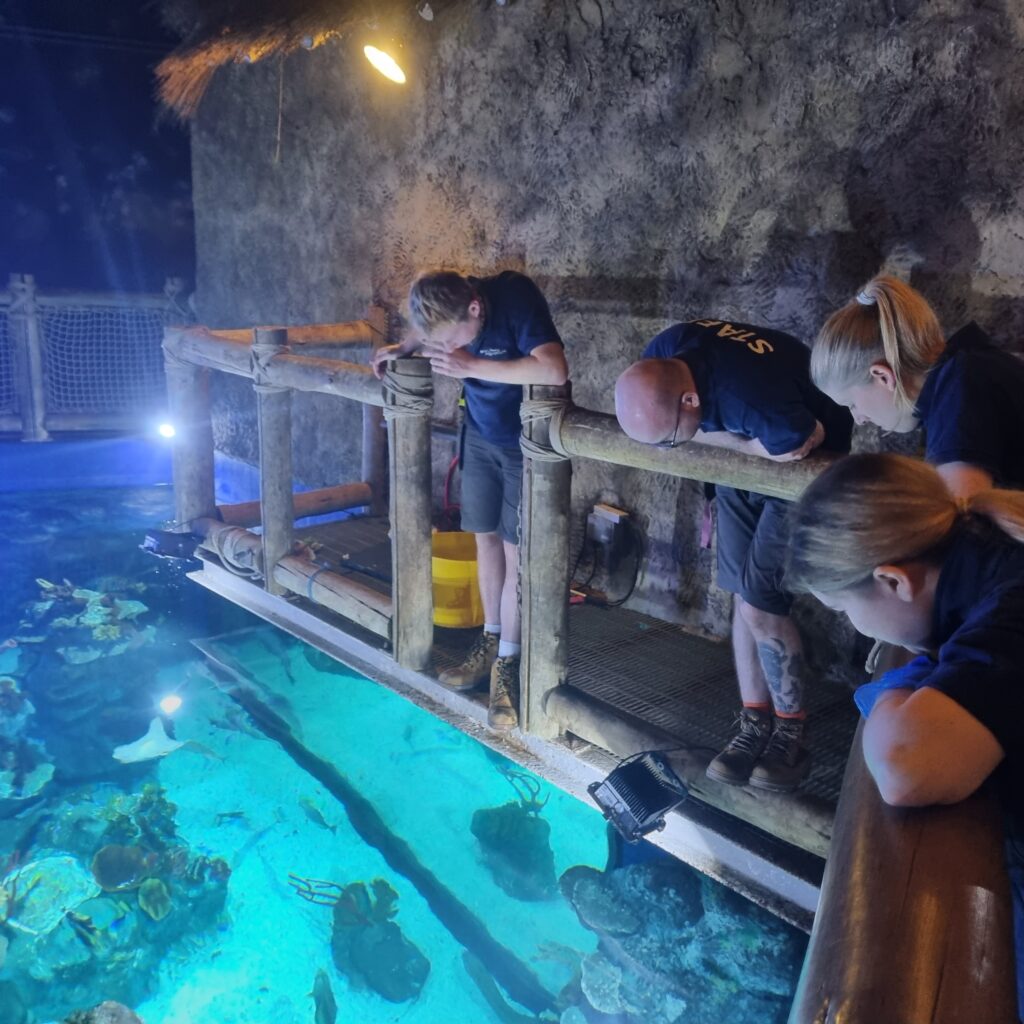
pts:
[156, 743]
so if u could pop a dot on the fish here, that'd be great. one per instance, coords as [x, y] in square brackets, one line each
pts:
[323, 999]
[223, 816]
[314, 814]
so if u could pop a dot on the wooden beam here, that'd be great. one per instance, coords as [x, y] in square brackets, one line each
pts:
[915, 919]
[274, 421]
[544, 573]
[410, 481]
[375, 438]
[228, 352]
[188, 403]
[305, 503]
[596, 435]
[341, 594]
[356, 332]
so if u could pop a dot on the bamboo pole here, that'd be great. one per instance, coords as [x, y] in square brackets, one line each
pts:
[32, 394]
[306, 503]
[595, 435]
[375, 455]
[274, 416]
[188, 402]
[241, 552]
[410, 508]
[228, 352]
[341, 594]
[355, 332]
[915, 918]
[544, 572]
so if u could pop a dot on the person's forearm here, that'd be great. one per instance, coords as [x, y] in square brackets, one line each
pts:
[518, 371]
[734, 442]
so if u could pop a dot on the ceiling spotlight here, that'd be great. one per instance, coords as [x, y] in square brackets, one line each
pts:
[170, 704]
[385, 64]
[166, 430]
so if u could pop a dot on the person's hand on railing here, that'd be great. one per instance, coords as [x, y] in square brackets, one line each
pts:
[380, 357]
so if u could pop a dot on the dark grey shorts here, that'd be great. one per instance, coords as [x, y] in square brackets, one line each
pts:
[752, 534]
[492, 482]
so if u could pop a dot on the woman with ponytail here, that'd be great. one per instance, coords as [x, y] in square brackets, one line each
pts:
[884, 355]
[881, 538]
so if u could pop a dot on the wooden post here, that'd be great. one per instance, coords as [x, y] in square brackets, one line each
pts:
[188, 402]
[412, 631]
[274, 414]
[375, 468]
[544, 572]
[29, 341]
[915, 920]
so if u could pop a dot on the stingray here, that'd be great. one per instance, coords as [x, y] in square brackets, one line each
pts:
[156, 743]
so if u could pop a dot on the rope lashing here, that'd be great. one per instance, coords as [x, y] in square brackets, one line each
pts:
[403, 400]
[533, 410]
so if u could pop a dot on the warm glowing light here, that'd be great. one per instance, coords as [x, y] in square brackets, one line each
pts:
[170, 704]
[166, 430]
[385, 64]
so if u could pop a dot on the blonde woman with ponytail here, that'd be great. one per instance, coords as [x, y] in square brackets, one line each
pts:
[881, 538]
[884, 356]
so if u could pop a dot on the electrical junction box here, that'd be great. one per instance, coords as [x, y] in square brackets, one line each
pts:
[607, 533]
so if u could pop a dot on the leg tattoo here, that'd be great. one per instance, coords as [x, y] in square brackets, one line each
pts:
[784, 672]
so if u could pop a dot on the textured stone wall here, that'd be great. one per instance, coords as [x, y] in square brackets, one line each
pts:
[645, 162]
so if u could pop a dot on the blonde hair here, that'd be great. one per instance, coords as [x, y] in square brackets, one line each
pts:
[887, 320]
[881, 509]
[438, 298]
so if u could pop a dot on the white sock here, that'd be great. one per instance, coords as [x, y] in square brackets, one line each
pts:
[492, 627]
[507, 649]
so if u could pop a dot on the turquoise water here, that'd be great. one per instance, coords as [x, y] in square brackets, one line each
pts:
[309, 846]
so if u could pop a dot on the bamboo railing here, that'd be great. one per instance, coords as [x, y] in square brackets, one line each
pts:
[267, 356]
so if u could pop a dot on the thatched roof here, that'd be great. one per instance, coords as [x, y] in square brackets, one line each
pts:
[219, 32]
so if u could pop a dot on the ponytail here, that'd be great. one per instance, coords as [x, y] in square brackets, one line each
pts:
[881, 509]
[888, 320]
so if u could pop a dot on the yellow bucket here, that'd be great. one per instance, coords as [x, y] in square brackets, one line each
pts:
[456, 591]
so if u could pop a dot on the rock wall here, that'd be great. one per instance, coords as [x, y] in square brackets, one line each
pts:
[645, 162]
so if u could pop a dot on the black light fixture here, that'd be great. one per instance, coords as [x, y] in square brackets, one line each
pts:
[638, 794]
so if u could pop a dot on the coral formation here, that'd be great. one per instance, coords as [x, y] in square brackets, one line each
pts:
[118, 868]
[154, 899]
[675, 945]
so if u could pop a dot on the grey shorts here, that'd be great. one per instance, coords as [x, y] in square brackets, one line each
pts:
[753, 531]
[492, 482]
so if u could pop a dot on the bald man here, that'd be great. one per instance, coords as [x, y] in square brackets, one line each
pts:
[747, 389]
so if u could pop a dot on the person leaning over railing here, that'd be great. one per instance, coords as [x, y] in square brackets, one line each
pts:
[747, 389]
[883, 355]
[495, 334]
[881, 538]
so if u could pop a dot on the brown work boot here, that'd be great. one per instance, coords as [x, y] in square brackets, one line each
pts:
[785, 760]
[476, 669]
[503, 710]
[734, 764]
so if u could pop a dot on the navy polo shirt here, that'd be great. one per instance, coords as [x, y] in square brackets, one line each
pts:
[754, 382]
[516, 321]
[978, 631]
[972, 407]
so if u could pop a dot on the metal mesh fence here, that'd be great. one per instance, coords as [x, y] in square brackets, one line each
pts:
[8, 391]
[102, 359]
